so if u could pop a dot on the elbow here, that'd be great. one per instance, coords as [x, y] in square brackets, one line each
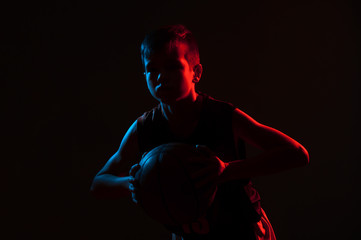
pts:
[92, 189]
[302, 156]
[95, 190]
[106, 187]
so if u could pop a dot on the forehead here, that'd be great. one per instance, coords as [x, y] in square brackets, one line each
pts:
[170, 52]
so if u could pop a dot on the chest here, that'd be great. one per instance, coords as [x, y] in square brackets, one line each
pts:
[212, 129]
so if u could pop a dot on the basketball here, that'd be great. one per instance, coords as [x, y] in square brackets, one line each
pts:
[165, 189]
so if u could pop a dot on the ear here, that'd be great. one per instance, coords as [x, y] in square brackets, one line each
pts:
[197, 69]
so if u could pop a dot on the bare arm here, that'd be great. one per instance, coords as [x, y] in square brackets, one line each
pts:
[280, 152]
[112, 181]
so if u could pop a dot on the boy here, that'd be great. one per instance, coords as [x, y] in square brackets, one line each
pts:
[172, 68]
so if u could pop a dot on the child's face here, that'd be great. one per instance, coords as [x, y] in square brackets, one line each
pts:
[169, 76]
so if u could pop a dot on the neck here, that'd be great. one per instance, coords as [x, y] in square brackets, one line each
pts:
[182, 109]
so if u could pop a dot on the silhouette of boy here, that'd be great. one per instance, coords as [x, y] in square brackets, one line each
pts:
[172, 69]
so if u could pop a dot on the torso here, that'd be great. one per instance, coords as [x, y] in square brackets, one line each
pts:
[212, 128]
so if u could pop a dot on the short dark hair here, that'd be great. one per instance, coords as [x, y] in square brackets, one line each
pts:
[157, 39]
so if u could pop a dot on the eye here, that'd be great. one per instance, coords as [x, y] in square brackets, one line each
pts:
[152, 70]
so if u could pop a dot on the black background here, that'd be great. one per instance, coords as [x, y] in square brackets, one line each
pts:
[73, 84]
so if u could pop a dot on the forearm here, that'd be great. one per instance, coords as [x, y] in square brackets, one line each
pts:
[110, 186]
[269, 162]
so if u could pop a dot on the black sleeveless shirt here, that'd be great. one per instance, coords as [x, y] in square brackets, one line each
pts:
[236, 205]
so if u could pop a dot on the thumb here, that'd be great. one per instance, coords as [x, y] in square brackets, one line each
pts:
[134, 169]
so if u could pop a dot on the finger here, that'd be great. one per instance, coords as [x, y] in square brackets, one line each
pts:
[134, 198]
[133, 182]
[131, 179]
[131, 187]
[134, 169]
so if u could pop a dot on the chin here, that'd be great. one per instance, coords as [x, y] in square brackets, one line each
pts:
[166, 98]
[168, 101]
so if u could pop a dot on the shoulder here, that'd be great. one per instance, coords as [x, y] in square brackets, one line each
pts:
[238, 116]
[214, 105]
[243, 119]
[149, 115]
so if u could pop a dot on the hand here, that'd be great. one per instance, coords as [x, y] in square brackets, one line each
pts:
[133, 184]
[212, 173]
